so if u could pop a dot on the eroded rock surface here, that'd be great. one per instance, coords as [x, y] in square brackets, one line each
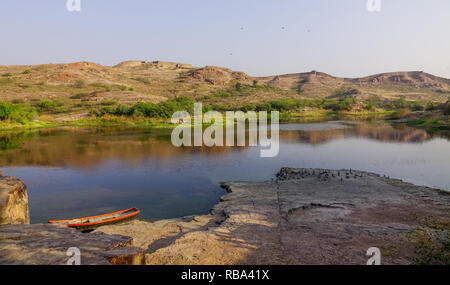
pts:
[306, 216]
[48, 245]
[13, 201]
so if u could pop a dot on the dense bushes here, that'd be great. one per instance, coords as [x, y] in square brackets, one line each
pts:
[47, 106]
[163, 110]
[17, 113]
[286, 105]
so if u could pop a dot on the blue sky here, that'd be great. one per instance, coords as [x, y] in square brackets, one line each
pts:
[260, 37]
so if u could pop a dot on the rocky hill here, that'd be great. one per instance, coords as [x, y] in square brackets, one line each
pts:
[135, 81]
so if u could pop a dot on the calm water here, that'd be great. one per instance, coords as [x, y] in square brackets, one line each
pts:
[72, 172]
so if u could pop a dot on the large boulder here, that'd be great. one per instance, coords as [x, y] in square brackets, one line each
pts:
[13, 201]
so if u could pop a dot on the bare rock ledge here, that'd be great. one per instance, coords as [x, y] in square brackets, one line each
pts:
[306, 216]
[48, 245]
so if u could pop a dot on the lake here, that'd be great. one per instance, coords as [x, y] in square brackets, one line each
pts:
[73, 172]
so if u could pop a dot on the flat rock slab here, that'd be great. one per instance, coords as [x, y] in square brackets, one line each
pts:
[48, 245]
[306, 216]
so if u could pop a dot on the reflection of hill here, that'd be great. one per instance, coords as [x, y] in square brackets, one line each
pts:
[83, 149]
[380, 131]
[67, 147]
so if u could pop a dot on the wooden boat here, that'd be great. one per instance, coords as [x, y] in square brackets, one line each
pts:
[101, 220]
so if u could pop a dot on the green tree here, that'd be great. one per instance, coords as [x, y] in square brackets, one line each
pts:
[238, 87]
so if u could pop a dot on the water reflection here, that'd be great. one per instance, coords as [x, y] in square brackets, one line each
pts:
[89, 147]
[322, 133]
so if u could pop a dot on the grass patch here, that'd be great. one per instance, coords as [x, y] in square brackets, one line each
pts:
[431, 242]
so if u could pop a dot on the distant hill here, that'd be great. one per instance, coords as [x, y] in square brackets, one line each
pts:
[135, 81]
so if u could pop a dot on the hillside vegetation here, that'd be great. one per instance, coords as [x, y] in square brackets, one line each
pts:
[69, 92]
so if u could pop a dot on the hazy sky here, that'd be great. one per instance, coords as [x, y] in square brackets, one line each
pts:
[260, 37]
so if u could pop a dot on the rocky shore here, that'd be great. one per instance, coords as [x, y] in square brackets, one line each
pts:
[305, 216]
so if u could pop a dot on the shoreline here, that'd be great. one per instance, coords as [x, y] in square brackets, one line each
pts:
[298, 219]
[118, 121]
[305, 216]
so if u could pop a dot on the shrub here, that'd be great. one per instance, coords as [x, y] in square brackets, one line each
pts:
[79, 84]
[447, 109]
[16, 113]
[264, 107]
[62, 109]
[17, 101]
[284, 105]
[343, 104]
[142, 80]
[222, 94]
[248, 107]
[80, 96]
[399, 114]
[417, 107]
[431, 106]
[400, 103]
[26, 71]
[7, 74]
[108, 103]
[123, 110]
[369, 106]
[46, 105]
[238, 87]
[6, 110]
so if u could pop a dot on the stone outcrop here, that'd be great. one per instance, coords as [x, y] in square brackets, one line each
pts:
[13, 201]
[48, 245]
[305, 216]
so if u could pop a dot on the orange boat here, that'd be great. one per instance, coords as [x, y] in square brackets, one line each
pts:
[101, 220]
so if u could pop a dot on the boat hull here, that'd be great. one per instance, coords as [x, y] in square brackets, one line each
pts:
[100, 220]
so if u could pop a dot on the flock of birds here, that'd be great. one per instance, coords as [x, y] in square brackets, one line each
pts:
[320, 174]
